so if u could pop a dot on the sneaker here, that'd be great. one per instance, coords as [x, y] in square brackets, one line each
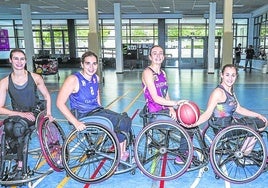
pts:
[178, 160]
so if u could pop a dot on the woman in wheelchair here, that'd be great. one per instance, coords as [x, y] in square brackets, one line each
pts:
[82, 90]
[155, 87]
[21, 85]
[222, 105]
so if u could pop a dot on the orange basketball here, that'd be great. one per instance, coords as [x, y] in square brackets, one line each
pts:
[188, 113]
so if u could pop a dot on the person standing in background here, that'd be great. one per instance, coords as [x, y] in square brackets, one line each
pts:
[262, 54]
[249, 56]
[238, 55]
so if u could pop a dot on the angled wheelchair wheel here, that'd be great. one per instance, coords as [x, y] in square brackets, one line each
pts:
[34, 167]
[92, 155]
[51, 137]
[157, 147]
[238, 154]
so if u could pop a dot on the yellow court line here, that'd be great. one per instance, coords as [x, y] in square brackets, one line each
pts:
[117, 99]
[63, 182]
[133, 101]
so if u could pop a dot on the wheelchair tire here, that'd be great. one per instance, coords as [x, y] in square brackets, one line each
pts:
[51, 137]
[92, 155]
[156, 148]
[233, 163]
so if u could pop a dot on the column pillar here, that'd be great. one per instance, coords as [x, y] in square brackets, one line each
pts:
[118, 38]
[71, 36]
[161, 33]
[227, 43]
[28, 34]
[211, 37]
[93, 35]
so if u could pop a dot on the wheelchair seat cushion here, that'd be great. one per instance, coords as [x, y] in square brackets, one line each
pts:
[98, 119]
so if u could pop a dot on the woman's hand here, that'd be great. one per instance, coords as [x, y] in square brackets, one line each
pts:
[181, 101]
[172, 114]
[80, 126]
[262, 118]
[50, 117]
[27, 115]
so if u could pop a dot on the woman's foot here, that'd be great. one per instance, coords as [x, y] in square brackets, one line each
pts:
[125, 156]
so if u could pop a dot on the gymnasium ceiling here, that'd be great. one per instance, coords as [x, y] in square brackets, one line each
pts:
[78, 7]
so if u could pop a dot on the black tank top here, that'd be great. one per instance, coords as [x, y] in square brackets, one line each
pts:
[23, 98]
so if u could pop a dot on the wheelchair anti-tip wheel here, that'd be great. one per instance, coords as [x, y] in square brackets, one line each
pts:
[238, 154]
[157, 147]
[91, 155]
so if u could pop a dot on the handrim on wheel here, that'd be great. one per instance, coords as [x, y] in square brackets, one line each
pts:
[238, 154]
[91, 155]
[158, 145]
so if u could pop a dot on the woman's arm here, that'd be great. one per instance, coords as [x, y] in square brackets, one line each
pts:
[44, 91]
[69, 86]
[216, 97]
[245, 112]
[3, 94]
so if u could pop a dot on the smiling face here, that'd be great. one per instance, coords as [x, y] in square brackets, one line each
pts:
[228, 76]
[90, 65]
[18, 60]
[156, 55]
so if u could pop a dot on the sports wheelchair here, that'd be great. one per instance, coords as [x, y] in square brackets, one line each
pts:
[93, 155]
[159, 143]
[47, 134]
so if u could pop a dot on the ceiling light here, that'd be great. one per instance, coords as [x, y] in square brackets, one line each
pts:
[127, 6]
[48, 6]
[165, 7]
[201, 6]
[238, 6]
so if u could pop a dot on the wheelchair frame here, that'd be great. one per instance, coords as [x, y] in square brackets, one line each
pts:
[154, 150]
[34, 169]
[93, 155]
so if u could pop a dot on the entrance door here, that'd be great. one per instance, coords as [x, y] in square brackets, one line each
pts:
[193, 52]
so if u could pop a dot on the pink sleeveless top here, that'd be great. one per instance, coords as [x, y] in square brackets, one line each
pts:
[161, 85]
